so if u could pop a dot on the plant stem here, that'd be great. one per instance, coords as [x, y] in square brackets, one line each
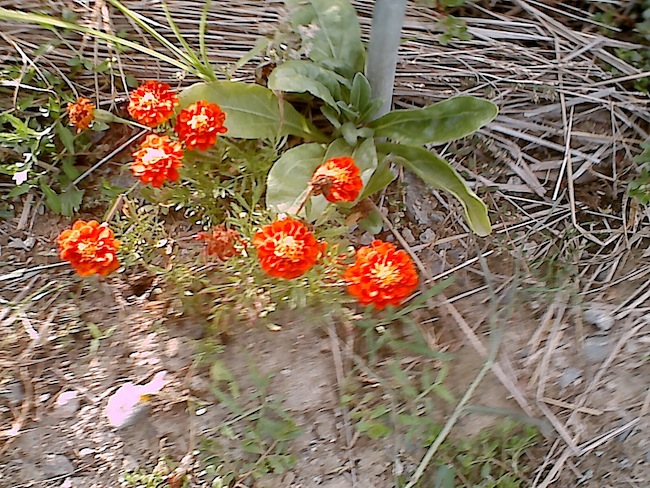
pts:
[309, 193]
[449, 425]
[387, 20]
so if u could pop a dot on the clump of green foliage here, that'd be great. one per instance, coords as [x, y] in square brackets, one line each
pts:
[635, 24]
[37, 148]
[640, 186]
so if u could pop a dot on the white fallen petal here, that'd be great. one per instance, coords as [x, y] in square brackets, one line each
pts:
[20, 177]
[126, 402]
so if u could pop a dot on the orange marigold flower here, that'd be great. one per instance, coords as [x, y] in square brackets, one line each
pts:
[287, 248]
[81, 113]
[198, 125]
[221, 242]
[381, 275]
[157, 160]
[338, 180]
[90, 248]
[152, 103]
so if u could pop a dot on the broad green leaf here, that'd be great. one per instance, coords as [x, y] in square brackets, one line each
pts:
[437, 172]
[252, 111]
[438, 123]
[330, 33]
[289, 177]
[306, 76]
[361, 98]
[331, 115]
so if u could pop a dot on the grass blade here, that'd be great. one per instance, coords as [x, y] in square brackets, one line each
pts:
[202, 47]
[47, 21]
[145, 23]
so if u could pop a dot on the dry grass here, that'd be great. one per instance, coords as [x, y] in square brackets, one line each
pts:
[556, 160]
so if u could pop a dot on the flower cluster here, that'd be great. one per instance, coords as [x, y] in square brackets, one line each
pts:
[81, 113]
[197, 126]
[157, 160]
[152, 103]
[381, 275]
[287, 248]
[337, 179]
[221, 242]
[90, 248]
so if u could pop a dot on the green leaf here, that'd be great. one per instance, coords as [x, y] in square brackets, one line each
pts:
[361, 98]
[331, 115]
[66, 203]
[350, 133]
[252, 111]
[330, 33]
[437, 172]
[438, 123]
[66, 137]
[381, 178]
[305, 76]
[372, 223]
[289, 177]
[361, 93]
[69, 169]
[445, 477]
[51, 198]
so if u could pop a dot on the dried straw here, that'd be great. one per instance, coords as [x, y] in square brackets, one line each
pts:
[562, 144]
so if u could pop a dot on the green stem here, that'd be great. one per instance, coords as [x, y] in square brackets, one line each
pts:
[458, 411]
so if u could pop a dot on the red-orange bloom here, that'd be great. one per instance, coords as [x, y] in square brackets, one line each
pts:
[90, 248]
[287, 248]
[152, 103]
[221, 242]
[381, 275]
[157, 160]
[81, 113]
[198, 125]
[338, 180]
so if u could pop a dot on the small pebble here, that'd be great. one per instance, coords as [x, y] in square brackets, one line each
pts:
[66, 405]
[600, 316]
[13, 392]
[427, 235]
[569, 376]
[408, 235]
[597, 348]
[86, 451]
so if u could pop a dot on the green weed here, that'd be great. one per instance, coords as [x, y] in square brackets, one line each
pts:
[254, 441]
